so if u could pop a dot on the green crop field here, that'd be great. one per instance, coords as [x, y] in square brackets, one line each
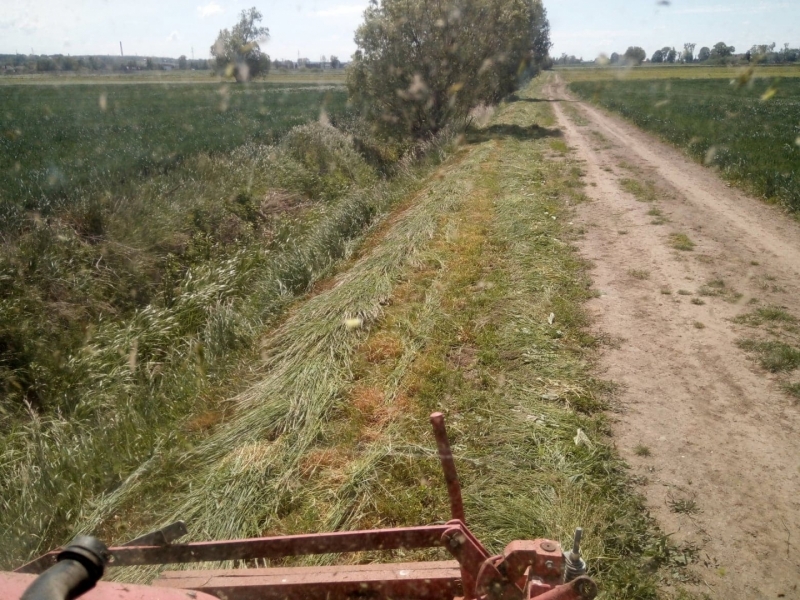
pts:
[59, 142]
[750, 130]
[666, 71]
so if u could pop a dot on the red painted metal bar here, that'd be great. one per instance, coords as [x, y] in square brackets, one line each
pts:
[13, 586]
[581, 588]
[271, 547]
[421, 581]
[448, 466]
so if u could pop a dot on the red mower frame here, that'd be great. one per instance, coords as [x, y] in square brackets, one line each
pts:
[526, 569]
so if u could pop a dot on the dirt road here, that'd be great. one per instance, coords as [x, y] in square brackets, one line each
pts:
[713, 437]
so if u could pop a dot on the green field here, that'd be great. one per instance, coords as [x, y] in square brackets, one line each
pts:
[667, 71]
[749, 130]
[60, 142]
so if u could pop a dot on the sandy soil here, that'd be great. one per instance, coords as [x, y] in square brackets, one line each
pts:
[721, 431]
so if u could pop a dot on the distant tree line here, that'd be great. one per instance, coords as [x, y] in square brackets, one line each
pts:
[31, 63]
[720, 53]
[567, 60]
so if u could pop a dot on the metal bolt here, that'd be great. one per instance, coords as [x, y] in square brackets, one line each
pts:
[576, 545]
[549, 565]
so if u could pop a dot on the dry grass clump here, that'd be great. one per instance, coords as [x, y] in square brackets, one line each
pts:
[774, 356]
[641, 274]
[642, 189]
[767, 315]
[382, 347]
[681, 241]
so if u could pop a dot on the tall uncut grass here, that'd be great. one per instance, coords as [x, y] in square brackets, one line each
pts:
[62, 143]
[129, 388]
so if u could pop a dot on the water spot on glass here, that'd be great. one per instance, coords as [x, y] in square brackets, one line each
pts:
[768, 95]
[102, 101]
[710, 155]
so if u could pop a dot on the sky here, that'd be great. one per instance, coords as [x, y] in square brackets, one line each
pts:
[312, 28]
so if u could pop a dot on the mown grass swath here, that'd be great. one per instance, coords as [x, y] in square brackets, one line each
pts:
[749, 131]
[60, 144]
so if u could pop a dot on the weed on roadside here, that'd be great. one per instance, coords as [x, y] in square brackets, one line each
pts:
[642, 190]
[718, 289]
[681, 241]
[684, 504]
[642, 450]
[766, 315]
[659, 219]
[774, 356]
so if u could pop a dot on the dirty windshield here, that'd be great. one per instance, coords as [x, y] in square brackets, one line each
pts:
[491, 299]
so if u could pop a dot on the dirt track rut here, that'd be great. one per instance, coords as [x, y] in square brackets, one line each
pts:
[723, 472]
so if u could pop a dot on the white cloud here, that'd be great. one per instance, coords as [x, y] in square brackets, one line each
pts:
[24, 24]
[212, 8]
[174, 37]
[342, 9]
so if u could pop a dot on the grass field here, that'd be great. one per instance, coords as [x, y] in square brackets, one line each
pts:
[61, 143]
[750, 131]
[650, 72]
[170, 77]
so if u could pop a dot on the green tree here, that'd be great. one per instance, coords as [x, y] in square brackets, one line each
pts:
[704, 54]
[722, 50]
[688, 53]
[635, 55]
[658, 57]
[615, 58]
[670, 55]
[182, 62]
[237, 51]
[420, 64]
[335, 62]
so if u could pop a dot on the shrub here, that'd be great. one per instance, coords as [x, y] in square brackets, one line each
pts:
[420, 66]
[329, 158]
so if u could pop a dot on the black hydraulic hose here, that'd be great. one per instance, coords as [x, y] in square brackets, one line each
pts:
[80, 566]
